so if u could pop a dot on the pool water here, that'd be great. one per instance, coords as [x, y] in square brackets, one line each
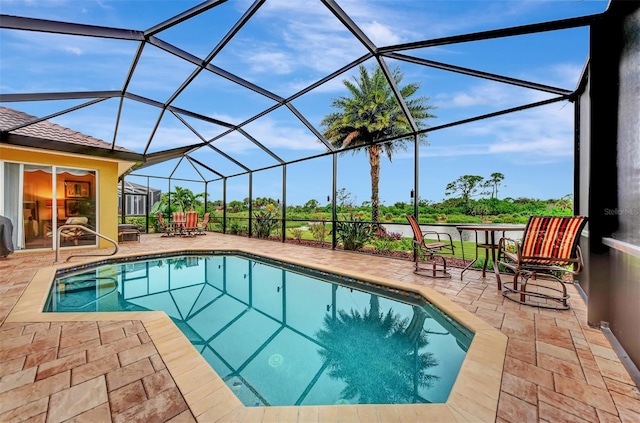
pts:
[279, 334]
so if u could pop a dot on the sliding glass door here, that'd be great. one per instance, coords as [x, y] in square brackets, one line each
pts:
[36, 209]
[77, 189]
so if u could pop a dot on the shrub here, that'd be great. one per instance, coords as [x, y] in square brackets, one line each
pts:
[393, 236]
[461, 218]
[318, 231]
[236, 228]
[354, 234]
[383, 244]
[406, 244]
[296, 233]
[264, 223]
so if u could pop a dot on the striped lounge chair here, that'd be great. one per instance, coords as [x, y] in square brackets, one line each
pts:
[547, 253]
[191, 223]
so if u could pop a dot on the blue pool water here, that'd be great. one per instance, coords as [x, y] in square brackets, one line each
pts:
[279, 334]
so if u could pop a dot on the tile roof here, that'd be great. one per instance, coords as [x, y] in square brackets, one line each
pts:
[10, 118]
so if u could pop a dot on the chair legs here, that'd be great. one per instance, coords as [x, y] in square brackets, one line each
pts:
[433, 266]
[548, 291]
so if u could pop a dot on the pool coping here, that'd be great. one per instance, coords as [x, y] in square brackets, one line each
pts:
[474, 395]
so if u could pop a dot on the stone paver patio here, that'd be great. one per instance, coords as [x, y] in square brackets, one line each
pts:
[557, 368]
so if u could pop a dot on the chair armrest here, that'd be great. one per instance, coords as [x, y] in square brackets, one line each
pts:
[446, 239]
[508, 246]
[437, 235]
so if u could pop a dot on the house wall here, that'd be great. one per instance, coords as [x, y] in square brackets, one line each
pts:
[106, 187]
[612, 176]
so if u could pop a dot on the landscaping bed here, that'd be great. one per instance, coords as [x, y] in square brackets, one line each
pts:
[396, 254]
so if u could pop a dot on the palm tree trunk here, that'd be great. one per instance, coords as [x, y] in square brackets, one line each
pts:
[417, 322]
[374, 162]
[374, 308]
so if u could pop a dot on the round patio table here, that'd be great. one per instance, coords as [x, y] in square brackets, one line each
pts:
[489, 245]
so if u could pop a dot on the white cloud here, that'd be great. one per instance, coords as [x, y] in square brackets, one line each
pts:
[279, 135]
[541, 147]
[274, 61]
[380, 34]
[481, 94]
[73, 50]
[544, 134]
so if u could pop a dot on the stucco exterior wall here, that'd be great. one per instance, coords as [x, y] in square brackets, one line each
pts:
[106, 184]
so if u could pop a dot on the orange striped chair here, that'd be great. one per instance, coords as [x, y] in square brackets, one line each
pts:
[202, 227]
[178, 222]
[191, 223]
[430, 253]
[547, 253]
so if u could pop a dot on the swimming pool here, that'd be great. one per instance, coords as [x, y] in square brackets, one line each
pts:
[282, 334]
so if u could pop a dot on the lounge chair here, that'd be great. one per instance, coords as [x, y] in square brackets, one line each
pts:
[190, 224]
[202, 227]
[547, 253]
[430, 253]
[70, 234]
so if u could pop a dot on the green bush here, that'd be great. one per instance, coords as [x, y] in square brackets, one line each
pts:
[296, 233]
[384, 244]
[441, 217]
[461, 218]
[264, 222]
[355, 233]
[236, 228]
[318, 231]
[405, 244]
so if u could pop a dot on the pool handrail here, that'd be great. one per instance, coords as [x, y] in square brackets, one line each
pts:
[84, 228]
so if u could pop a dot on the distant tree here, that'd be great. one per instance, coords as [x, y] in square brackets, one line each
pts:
[565, 203]
[311, 205]
[401, 205]
[494, 183]
[372, 113]
[236, 206]
[263, 202]
[425, 203]
[466, 185]
[344, 199]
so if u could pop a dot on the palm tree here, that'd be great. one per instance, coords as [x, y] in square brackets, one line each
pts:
[185, 198]
[381, 357]
[371, 114]
[494, 183]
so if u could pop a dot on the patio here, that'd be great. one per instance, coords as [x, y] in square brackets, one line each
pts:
[557, 368]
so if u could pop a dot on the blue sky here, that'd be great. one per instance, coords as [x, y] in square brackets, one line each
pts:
[289, 45]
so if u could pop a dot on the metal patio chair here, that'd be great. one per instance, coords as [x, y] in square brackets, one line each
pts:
[202, 227]
[164, 226]
[547, 253]
[190, 223]
[430, 253]
[178, 223]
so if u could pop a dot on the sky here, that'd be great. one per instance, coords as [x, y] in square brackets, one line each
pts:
[284, 48]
